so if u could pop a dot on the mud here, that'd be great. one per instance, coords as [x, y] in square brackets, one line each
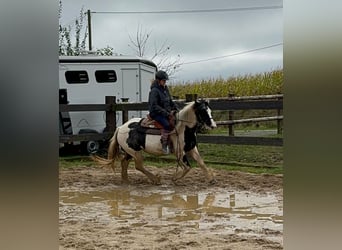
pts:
[241, 211]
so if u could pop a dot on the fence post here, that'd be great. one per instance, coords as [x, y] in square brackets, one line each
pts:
[110, 115]
[279, 122]
[124, 114]
[231, 117]
[124, 110]
[190, 97]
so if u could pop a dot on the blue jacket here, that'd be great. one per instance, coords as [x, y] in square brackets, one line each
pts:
[160, 101]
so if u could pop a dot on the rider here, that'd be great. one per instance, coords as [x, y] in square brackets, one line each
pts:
[161, 106]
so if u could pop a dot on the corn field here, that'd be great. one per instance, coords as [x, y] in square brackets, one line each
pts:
[248, 85]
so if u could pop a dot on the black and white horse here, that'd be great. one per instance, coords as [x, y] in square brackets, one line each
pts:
[131, 138]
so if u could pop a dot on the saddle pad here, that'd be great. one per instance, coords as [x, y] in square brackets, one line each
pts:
[152, 131]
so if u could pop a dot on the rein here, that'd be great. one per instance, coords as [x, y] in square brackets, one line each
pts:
[179, 164]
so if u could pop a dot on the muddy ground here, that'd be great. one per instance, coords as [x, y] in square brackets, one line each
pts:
[241, 211]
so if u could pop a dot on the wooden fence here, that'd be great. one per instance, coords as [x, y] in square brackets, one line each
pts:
[229, 104]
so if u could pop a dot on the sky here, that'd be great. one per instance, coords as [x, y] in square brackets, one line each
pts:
[240, 39]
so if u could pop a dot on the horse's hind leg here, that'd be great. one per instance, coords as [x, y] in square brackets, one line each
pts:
[138, 159]
[207, 172]
[124, 167]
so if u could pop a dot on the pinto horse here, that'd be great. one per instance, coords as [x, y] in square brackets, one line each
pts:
[131, 138]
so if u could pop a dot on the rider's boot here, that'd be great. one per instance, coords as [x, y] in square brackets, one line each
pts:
[164, 141]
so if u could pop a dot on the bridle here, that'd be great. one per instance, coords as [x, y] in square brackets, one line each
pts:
[200, 120]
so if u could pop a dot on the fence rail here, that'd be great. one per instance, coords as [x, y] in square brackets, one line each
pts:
[240, 140]
[85, 137]
[248, 120]
[230, 104]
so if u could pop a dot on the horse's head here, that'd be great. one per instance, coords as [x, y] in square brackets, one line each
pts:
[203, 114]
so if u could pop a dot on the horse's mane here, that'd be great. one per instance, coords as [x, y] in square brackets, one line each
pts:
[186, 111]
[188, 105]
[191, 104]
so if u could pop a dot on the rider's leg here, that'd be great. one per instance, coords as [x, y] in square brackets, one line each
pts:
[164, 141]
[164, 133]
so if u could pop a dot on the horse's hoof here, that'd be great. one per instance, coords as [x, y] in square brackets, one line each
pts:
[212, 182]
[125, 182]
[157, 181]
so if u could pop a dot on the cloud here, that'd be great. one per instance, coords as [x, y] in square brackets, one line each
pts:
[193, 36]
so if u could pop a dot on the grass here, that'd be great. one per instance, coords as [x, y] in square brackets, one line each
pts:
[243, 155]
[75, 161]
[252, 159]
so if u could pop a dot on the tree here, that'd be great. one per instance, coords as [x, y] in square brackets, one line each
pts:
[108, 51]
[66, 44]
[160, 54]
[74, 44]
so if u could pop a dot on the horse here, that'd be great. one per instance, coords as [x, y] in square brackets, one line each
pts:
[131, 138]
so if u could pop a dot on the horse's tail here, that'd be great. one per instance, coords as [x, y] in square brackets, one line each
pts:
[113, 152]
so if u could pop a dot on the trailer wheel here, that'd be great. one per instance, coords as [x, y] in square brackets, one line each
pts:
[90, 147]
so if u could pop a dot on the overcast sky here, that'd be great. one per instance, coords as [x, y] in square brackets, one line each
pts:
[193, 36]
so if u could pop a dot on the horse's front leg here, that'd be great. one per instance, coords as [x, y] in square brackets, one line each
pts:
[182, 160]
[138, 159]
[207, 172]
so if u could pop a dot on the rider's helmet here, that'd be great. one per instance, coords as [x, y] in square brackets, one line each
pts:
[162, 75]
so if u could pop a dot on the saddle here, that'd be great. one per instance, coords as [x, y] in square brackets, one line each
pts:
[153, 127]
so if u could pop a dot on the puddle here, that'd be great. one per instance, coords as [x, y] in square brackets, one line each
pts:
[231, 212]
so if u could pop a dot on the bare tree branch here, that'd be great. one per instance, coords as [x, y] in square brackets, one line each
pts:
[138, 45]
[161, 52]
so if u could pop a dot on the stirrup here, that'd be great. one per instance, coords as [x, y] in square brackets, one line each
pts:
[166, 149]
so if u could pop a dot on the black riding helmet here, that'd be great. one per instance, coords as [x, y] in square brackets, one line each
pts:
[162, 75]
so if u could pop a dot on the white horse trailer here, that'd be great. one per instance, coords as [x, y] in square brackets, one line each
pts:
[88, 79]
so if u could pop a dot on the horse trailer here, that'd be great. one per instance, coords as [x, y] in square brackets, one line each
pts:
[88, 79]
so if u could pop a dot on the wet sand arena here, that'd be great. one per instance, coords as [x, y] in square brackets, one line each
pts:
[242, 211]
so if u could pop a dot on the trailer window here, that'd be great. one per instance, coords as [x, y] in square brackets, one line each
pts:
[76, 76]
[105, 76]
